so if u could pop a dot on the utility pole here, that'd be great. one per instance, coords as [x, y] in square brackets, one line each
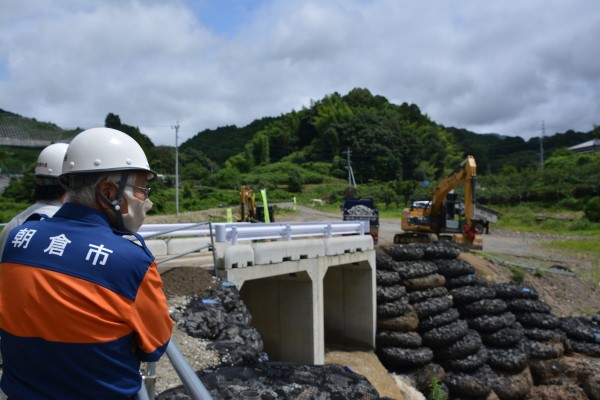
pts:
[542, 144]
[351, 181]
[176, 127]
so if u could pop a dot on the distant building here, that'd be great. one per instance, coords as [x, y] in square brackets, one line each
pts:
[586, 147]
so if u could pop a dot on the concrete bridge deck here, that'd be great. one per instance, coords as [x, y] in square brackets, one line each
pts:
[304, 294]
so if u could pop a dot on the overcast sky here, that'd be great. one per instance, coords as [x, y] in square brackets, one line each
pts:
[500, 66]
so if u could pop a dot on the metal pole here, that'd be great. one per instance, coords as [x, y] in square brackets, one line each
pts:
[176, 127]
[188, 377]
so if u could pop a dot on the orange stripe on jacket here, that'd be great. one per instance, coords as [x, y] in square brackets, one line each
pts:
[62, 308]
[145, 313]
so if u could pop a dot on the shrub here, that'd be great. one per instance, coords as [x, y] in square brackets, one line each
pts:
[570, 203]
[592, 209]
[518, 275]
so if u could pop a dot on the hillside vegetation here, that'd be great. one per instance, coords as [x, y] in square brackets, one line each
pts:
[395, 153]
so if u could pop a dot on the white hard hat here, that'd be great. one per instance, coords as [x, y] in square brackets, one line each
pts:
[50, 160]
[103, 150]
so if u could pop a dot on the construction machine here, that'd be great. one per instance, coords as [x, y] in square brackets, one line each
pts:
[439, 217]
[247, 207]
[249, 211]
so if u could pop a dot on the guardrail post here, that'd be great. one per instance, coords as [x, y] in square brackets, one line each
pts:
[212, 247]
[234, 235]
[221, 233]
[287, 232]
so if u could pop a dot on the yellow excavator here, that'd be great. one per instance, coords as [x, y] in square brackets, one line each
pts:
[440, 217]
[247, 207]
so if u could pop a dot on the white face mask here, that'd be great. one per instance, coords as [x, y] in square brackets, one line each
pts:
[136, 214]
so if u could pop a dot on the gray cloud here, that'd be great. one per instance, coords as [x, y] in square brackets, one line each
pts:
[497, 66]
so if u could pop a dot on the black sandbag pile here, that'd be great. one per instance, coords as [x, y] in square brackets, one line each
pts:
[461, 321]
[502, 337]
[222, 318]
[464, 358]
[582, 335]
[541, 327]
[439, 325]
[398, 345]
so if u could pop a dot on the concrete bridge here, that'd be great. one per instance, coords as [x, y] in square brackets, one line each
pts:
[308, 286]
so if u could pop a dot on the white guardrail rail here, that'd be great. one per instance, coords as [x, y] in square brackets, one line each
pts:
[234, 232]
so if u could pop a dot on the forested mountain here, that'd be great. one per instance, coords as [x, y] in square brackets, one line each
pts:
[385, 141]
[392, 150]
[381, 140]
[493, 152]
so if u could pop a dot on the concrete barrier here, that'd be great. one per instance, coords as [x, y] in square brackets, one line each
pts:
[276, 252]
[238, 256]
[348, 244]
[182, 245]
[157, 247]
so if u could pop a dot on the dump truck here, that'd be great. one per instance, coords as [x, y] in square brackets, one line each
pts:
[362, 210]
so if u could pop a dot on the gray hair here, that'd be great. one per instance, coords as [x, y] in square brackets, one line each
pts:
[82, 189]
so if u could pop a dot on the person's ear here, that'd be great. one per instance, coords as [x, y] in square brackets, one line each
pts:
[109, 191]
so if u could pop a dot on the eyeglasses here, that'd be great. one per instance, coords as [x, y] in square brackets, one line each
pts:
[144, 190]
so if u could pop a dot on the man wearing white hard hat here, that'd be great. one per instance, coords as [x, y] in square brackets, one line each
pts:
[94, 299]
[49, 194]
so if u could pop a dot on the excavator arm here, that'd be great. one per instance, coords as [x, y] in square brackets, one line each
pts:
[465, 173]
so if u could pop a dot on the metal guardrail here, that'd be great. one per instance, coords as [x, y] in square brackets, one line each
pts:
[234, 232]
[192, 384]
[190, 380]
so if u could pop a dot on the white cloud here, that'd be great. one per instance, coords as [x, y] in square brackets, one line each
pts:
[497, 66]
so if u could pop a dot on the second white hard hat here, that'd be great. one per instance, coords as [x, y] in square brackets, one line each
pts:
[50, 161]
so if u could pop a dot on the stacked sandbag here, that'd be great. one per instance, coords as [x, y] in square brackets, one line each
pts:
[503, 335]
[582, 335]
[427, 298]
[465, 361]
[456, 348]
[398, 345]
[540, 326]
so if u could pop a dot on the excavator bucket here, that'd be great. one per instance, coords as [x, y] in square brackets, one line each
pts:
[475, 244]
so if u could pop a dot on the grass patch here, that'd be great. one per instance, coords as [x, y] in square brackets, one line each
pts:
[584, 246]
[540, 218]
